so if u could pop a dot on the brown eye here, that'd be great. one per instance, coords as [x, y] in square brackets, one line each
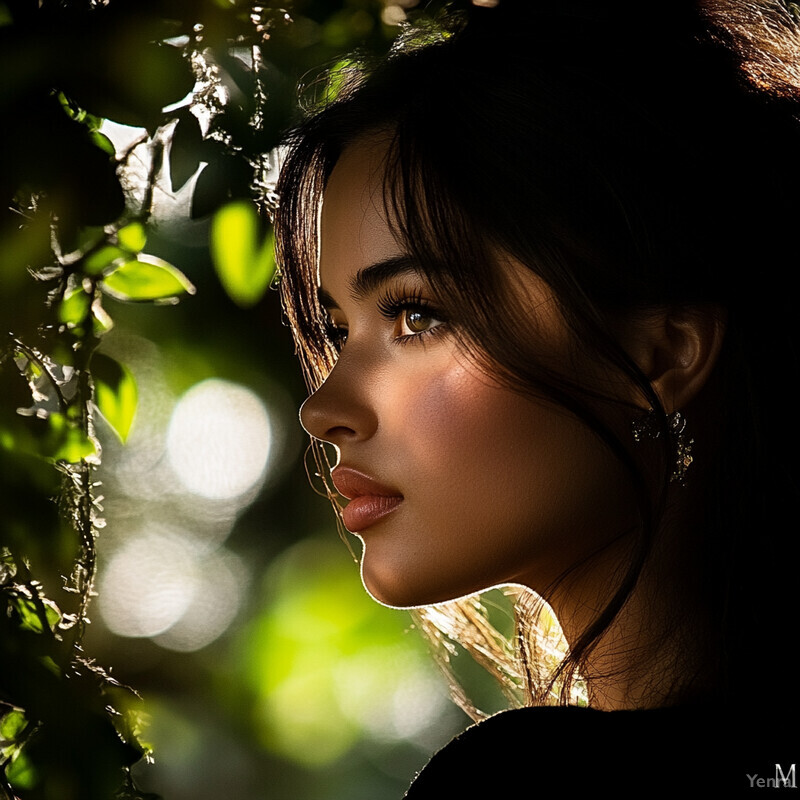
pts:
[417, 321]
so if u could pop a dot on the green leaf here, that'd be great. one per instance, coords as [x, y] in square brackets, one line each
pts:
[245, 264]
[74, 308]
[29, 611]
[103, 142]
[52, 612]
[28, 614]
[103, 258]
[50, 665]
[12, 725]
[21, 773]
[102, 321]
[115, 393]
[147, 278]
[75, 447]
[132, 237]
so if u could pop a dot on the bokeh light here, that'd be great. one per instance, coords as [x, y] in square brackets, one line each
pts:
[331, 667]
[218, 440]
[193, 464]
[218, 594]
[161, 584]
[149, 583]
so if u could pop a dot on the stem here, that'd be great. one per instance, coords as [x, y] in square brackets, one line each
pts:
[82, 477]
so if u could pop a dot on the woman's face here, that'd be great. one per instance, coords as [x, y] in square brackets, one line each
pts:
[456, 483]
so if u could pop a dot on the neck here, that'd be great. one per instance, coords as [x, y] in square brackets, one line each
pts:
[650, 654]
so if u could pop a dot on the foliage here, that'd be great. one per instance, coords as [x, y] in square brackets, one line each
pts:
[73, 225]
[75, 215]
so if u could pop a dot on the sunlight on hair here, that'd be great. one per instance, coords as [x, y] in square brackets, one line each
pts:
[471, 622]
[219, 439]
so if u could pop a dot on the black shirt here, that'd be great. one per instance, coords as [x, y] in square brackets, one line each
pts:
[683, 751]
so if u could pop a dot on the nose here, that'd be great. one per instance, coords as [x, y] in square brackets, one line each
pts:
[341, 410]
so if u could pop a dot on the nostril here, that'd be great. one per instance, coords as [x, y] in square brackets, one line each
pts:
[338, 433]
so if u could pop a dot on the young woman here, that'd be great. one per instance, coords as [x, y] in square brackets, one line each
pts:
[540, 274]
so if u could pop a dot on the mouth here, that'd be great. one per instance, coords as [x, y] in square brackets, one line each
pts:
[370, 501]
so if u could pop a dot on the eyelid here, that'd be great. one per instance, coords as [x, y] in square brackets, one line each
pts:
[335, 332]
[395, 300]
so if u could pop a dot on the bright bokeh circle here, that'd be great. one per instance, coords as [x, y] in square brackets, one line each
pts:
[219, 439]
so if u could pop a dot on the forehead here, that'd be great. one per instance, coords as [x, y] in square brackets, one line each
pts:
[356, 233]
[354, 227]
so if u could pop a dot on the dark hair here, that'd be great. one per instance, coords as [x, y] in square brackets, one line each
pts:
[620, 152]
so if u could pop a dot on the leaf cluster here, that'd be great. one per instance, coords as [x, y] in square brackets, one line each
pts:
[210, 86]
[73, 236]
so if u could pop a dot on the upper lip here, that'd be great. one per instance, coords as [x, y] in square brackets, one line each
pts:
[351, 483]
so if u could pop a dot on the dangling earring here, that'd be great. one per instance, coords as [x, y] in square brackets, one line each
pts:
[647, 428]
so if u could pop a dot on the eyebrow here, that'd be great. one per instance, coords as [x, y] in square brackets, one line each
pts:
[368, 279]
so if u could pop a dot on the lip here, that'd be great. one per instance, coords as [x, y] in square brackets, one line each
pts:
[370, 501]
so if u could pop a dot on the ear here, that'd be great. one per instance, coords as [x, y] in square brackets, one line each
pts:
[676, 347]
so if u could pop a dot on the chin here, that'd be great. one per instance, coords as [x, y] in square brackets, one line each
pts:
[391, 592]
[389, 588]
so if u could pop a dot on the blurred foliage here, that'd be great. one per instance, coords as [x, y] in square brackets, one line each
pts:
[209, 86]
[73, 224]
[243, 256]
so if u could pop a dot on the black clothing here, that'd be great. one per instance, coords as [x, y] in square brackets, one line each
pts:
[684, 751]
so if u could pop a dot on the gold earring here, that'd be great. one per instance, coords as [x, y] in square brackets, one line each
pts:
[647, 427]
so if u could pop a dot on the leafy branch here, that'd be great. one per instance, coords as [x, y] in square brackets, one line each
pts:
[75, 216]
[73, 222]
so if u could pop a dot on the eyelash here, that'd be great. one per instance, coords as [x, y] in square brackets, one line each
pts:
[392, 304]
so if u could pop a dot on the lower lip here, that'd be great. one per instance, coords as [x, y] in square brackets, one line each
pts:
[362, 512]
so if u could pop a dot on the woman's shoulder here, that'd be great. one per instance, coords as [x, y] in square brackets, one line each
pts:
[642, 753]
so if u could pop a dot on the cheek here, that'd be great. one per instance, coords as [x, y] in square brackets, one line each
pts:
[499, 488]
[477, 439]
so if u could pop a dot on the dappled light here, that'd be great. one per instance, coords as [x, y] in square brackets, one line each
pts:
[149, 584]
[223, 582]
[161, 584]
[193, 463]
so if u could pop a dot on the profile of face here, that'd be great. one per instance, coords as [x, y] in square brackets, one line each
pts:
[456, 482]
